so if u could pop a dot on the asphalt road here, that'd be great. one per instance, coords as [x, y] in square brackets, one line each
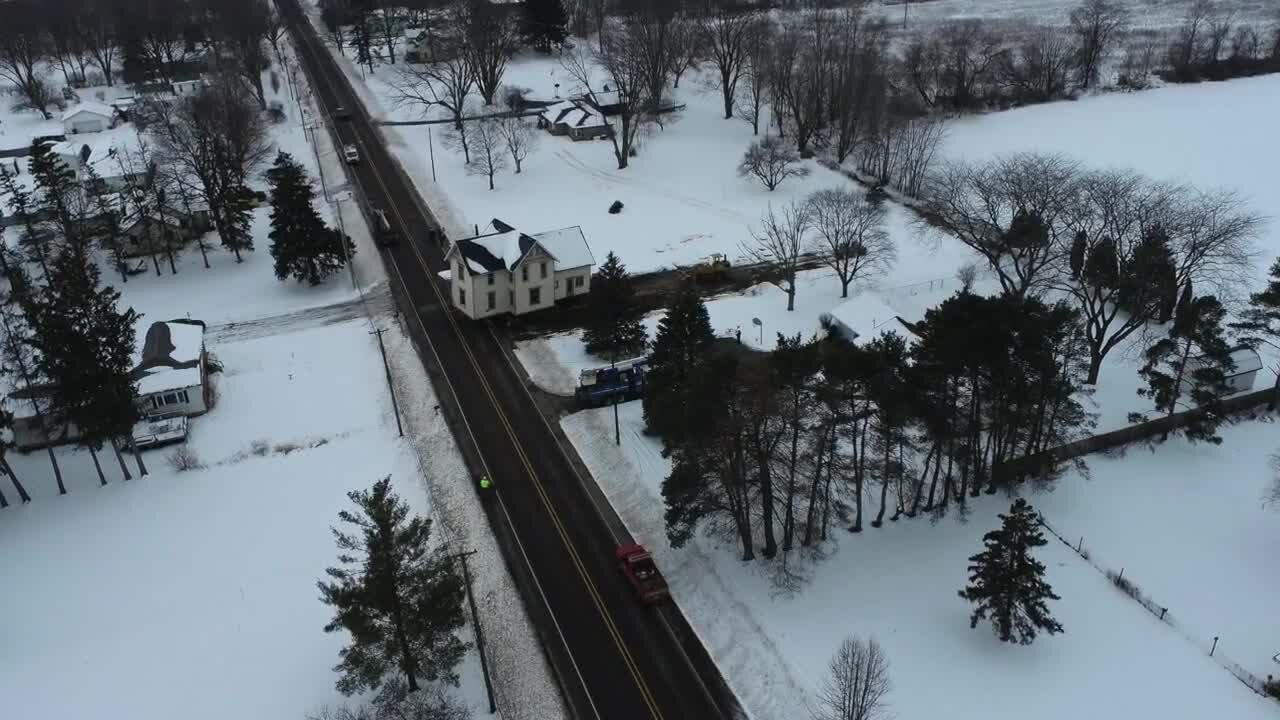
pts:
[614, 658]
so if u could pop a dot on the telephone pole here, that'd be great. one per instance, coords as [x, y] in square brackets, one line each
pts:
[475, 623]
[395, 406]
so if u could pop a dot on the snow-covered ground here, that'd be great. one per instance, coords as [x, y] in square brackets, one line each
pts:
[192, 594]
[898, 584]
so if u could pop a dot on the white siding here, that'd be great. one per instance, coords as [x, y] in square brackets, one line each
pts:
[546, 287]
[565, 278]
[187, 401]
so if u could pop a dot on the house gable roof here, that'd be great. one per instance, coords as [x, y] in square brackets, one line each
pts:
[91, 107]
[506, 248]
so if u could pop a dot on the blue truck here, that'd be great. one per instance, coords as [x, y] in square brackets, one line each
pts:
[622, 381]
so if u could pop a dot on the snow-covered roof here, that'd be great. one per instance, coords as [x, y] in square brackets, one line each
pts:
[103, 148]
[1246, 361]
[414, 33]
[863, 317]
[554, 113]
[605, 98]
[504, 249]
[168, 356]
[88, 106]
[568, 246]
[584, 117]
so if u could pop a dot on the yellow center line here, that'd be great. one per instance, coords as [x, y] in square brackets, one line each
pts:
[561, 531]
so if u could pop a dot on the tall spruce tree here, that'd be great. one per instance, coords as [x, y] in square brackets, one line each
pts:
[301, 245]
[400, 601]
[84, 347]
[60, 197]
[615, 328]
[34, 241]
[1260, 323]
[1007, 583]
[680, 349]
[20, 363]
[1187, 369]
[544, 24]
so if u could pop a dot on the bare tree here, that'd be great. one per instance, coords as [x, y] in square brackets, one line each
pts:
[22, 51]
[1214, 240]
[1271, 497]
[1015, 211]
[1039, 67]
[621, 57]
[859, 81]
[445, 84]
[728, 31]
[241, 27]
[968, 51]
[1095, 25]
[218, 138]
[900, 152]
[98, 37]
[857, 684]
[489, 151]
[519, 137]
[490, 38]
[1139, 61]
[687, 48]
[797, 86]
[651, 29]
[389, 19]
[276, 32]
[771, 160]
[779, 244]
[62, 28]
[850, 232]
[752, 90]
[1189, 39]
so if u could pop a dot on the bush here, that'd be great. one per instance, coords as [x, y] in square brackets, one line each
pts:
[1271, 687]
[183, 459]
[616, 207]
[260, 447]
[275, 112]
[1127, 586]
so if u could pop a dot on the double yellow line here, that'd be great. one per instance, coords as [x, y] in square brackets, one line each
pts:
[569, 547]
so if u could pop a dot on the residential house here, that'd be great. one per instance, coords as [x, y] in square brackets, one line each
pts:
[862, 318]
[574, 118]
[171, 372]
[88, 117]
[605, 101]
[509, 272]
[101, 152]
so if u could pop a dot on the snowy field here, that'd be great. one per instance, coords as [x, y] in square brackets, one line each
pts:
[1146, 14]
[192, 594]
[898, 584]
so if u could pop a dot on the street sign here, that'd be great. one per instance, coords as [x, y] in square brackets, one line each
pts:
[756, 321]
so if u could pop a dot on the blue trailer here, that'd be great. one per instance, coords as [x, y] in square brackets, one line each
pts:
[622, 381]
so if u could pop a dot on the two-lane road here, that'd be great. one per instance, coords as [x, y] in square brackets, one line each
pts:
[613, 658]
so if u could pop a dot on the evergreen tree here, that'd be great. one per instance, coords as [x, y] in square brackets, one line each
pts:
[1078, 248]
[1007, 583]
[544, 24]
[1260, 323]
[400, 601]
[237, 214]
[615, 328]
[34, 241]
[1149, 279]
[20, 362]
[889, 391]
[60, 198]
[84, 347]
[680, 348]
[1192, 361]
[301, 245]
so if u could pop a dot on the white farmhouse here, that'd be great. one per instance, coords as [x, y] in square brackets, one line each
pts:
[507, 271]
[88, 117]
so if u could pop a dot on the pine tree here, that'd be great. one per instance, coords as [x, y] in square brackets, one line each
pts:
[60, 196]
[1078, 247]
[1260, 323]
[237, 213]
[400, 601]
[1191, 362]
[615, 327]
[544, 24]
[680, 348]
[84, 347]
[34, 241]
[1007, 583]
[301, 245]
[20, 362]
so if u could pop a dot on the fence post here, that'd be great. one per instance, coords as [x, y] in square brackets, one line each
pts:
[1215, 646]
[1120, 576]
[1163, 610]
[1079, 544]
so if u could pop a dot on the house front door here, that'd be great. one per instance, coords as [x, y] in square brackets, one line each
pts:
[568, 286]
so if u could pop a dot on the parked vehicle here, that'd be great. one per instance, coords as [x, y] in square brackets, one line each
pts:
[622, 381]
[341, 113]
[637, 565]
[160, 430]
[351, 154]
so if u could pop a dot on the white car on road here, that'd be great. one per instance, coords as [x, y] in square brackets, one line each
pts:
[351, 154]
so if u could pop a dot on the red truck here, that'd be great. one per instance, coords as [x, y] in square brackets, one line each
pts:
[637, 565]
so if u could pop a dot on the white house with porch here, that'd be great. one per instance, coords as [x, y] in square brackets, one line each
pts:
[171, 373]
[509, 272]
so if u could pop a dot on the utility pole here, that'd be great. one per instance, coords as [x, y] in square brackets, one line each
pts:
[475, 623]
[617, 429]
[431, 146]
[395, 406]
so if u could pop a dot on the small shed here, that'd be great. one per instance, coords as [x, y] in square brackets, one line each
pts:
[87, 117]
[1241, 377]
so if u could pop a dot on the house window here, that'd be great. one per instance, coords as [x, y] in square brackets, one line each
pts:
[172, 398]
[493, 299]
[535, 296]
[462, 297]
[544, 271]
[460, 273]
[524, 273]
[490, 278]
[577, 281]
